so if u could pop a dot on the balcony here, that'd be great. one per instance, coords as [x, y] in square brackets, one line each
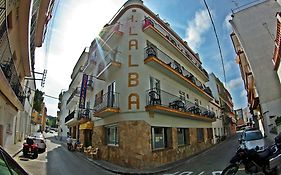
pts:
[165, 64]
[107, 104]
[70, 119]
[108, 65]
[110, 34]
[163, 102]
[160, 34]
[84, 115]
[74, 97]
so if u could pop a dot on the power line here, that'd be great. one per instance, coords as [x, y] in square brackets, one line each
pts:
[218, 42]
[43, 93]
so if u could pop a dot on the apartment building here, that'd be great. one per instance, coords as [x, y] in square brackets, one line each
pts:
[62, 114]
[224, 99]
[78, 119]
[253, 42]
[16, 64]
[149, 102]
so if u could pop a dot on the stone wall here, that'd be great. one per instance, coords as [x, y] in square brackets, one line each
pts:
[135, 151]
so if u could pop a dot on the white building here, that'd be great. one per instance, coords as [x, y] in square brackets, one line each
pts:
[253, 38]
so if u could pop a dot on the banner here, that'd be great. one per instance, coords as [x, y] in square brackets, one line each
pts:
[83, 91]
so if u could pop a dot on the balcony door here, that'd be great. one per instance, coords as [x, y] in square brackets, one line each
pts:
[111, 94]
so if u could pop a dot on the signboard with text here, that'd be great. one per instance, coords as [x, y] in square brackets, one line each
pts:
[83, 91]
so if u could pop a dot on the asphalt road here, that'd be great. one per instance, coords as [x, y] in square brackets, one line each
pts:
[57, 160]
[211, 162]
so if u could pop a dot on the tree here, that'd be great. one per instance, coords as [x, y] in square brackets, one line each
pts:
[38, 100]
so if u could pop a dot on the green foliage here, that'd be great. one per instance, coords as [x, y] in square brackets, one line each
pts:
[51, 121]
[278, 121]
[38, 100]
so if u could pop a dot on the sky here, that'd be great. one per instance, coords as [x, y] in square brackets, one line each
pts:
[75, 24]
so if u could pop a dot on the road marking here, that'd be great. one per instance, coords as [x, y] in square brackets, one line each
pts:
[241, 169]
[216, 172]
[171, 174]
[201, 173]
[186, 173]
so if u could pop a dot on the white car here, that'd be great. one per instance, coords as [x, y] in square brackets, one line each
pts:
[252, 139]
[39, 139]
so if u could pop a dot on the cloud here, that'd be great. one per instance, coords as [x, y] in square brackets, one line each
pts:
[234, 83]
[75, 26]
[196, 28]
[243, 94]
[226, 24]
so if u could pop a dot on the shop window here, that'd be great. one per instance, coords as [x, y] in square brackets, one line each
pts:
[183, 136]
[161, 137]
[200, 135]
[210, 134]
[112, 135]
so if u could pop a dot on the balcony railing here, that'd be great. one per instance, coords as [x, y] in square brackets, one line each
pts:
[152, 51]
[192, 57]
[107, 100]
[84, 114]
[74, 93]
[107, 61]
[161, 98]
[69, 117]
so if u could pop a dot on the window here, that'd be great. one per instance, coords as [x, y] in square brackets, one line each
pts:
[210, 133]
[200, 135]
[183, 136]
[161, 137]
[112, 135]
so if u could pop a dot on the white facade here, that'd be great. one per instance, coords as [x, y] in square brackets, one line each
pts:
[63, 113]
[132, 65]
[255, 28]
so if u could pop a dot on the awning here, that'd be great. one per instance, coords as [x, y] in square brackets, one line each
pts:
[87, 125]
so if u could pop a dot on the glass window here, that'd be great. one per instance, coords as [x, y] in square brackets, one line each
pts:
[160, 137]
[200, 135]
[112, 135]
[183, 136]
[253, 136]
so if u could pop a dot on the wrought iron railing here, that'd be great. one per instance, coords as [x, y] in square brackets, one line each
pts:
[105, 59]
[107, 100]
[69, 117]
[154, 51]
[6, 59]
[84, 114]
[160, 97]
[148, 21]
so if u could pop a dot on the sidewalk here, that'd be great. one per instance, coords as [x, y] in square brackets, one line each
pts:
[14, 149]
[123, 170]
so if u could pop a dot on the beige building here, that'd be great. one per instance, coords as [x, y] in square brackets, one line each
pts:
[150, 104]
[254, 45]
[17, 62]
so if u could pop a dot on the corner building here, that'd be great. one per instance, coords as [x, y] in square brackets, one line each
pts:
[150, 103]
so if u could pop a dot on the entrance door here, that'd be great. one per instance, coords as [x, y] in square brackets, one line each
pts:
[88, 137]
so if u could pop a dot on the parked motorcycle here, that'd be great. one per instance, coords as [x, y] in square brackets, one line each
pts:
[266, 162]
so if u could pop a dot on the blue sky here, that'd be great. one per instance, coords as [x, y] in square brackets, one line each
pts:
[76, 23]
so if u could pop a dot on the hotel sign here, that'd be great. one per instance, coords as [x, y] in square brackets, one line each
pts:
[83, 91]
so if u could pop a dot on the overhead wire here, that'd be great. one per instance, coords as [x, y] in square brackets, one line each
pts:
[217, 38]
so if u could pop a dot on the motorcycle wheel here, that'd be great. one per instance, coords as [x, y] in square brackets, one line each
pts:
[230, 169]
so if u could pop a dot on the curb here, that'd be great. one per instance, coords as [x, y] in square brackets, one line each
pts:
[17, 153]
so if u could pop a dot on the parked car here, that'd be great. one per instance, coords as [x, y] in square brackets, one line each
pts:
[8, 166]
[252, 139]
[40, 140]
[30, 148]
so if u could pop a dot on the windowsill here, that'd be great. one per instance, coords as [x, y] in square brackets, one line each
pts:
[161, 149]
[113, 145]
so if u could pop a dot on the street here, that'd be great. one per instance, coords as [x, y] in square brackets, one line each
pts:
[212, 161]
[57, 160]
